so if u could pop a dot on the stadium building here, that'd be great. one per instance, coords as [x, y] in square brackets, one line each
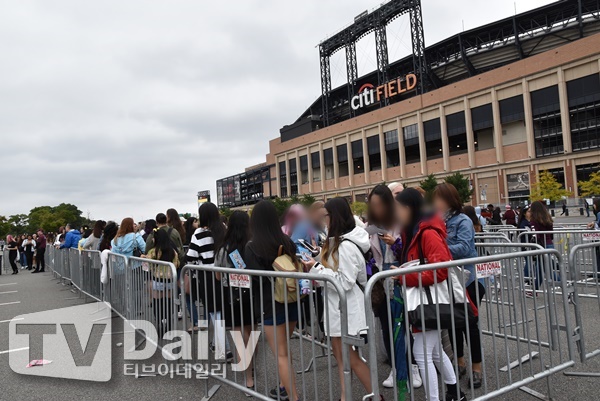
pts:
[498, 103]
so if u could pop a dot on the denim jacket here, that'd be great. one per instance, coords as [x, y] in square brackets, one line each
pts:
[461, 241]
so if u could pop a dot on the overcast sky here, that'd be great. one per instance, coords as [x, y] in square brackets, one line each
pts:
[130, 107]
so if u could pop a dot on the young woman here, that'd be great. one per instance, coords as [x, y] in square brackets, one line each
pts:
[174, 221]
[87, 233]
[430, 232]
[162, 279]
[127, 240]
[23, 258]
[596, 225]
[260, 253]
[202, 286]
[540, 221]
[384, 242]
[93, 240]
[343, 260]
[110, 231]
[469, 211]
[149, 226]
[460, 237]
[12, 248]
[237, 308]
[28, 246]
[191, 225]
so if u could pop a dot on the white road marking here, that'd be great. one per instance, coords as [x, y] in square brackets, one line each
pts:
[10, 303]
[11, 320]
[8, 292]
[14, 350]
[2, 285]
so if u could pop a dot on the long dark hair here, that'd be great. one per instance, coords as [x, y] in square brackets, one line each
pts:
[189, 230]
[163, 249]
[412, 199]
[174, 221]
[449, 194]
[149, 227]
[237, 234]
[209, 218]
[523, 213]
[341, 221]
[596, 205]
[267, 235]
[98, 228]
[109, 233]
[469, 211]
[540, 215]
[387, 199]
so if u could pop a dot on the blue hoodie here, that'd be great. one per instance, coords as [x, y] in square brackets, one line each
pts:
[125, 245]
[72, 239]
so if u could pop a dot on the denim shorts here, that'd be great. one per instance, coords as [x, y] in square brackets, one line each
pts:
[279, 318]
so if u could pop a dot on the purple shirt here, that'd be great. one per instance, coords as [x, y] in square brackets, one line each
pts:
[41, 242]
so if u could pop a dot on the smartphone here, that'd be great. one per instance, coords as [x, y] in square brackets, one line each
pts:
[310, 247]
[380, 234]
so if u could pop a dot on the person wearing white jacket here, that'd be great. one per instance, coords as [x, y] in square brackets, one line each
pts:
[342, 259]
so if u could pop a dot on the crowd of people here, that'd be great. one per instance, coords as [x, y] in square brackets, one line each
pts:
[400, 227]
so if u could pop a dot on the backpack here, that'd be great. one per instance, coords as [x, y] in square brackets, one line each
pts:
[284, 263]
[162, 272]
[378, 295]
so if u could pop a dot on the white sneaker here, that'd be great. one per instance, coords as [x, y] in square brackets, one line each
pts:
[389, 382]
[416, 377]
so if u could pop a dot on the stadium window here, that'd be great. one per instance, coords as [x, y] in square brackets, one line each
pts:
[342, 155]
[512, 109]
[392, 151]
[584, 171]
[559, 175]
[282, 180]
[328, 160]
[293, 177]
[482, 121]
[584, 112]
[547, 126]
[304, 169]
[433, 139]
[315, 161]
[457, 133]
[374, 153]
[357, 157]
[411, 143]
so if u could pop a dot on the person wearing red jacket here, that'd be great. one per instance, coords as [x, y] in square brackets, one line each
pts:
[430, 232]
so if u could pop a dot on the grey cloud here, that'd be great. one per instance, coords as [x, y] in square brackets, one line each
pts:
[128, 108]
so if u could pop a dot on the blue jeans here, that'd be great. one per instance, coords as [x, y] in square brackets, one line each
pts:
[192, 309]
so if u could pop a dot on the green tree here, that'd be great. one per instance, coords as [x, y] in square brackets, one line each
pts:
[4, 227]
[226, 212]
[428, 185]
[307, 200]
[18, 223]
[359, 208]
[590, 187]
[462, 185]
[546, 187]
[282, 205]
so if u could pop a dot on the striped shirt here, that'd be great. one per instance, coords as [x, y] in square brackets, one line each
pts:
[202, 248]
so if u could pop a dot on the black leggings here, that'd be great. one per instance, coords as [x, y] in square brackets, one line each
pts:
[460, 333]
[13, 264]
[40, 259]
[29, 257]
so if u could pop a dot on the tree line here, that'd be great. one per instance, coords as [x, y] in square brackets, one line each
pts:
[48, 218]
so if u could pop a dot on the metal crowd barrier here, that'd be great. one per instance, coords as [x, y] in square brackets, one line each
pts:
[564, 240]
[524, 336]
[75, 273]
[585, 261]
[246, 313]
[90, 275]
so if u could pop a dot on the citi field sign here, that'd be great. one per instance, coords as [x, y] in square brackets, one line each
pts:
[368, 94]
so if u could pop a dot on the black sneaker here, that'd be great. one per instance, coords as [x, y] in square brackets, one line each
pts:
[476, 380]
[451, 396]
[283, 396]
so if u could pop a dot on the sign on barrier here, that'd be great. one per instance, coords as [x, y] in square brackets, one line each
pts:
[488, 269]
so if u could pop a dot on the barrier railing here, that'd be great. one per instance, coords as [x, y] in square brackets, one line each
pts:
[255, 302]
[517, 330]
[563, 240]
[90, 275]
[119, 285]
